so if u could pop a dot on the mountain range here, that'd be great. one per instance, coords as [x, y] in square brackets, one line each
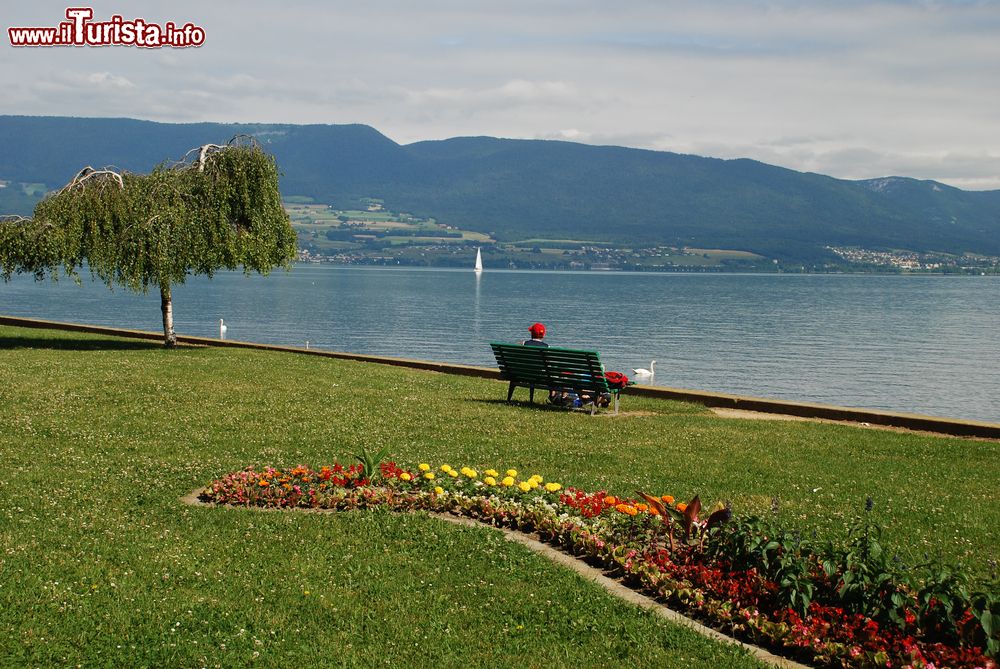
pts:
[520, 189]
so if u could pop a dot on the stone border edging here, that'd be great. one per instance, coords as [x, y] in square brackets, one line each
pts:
[582, 569]
[919, 422]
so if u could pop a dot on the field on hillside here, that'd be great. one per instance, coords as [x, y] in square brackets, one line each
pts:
[102, 565]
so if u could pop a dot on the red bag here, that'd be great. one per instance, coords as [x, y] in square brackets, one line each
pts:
[616, 379]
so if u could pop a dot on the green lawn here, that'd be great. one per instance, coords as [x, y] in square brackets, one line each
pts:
[101, 565]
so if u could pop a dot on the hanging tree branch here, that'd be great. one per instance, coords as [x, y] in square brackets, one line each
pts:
[205, 150]
[101, 176]
[14, 218]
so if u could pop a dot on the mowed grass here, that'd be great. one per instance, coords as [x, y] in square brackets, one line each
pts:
[102, 565]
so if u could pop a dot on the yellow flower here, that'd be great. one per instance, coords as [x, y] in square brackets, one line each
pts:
[553, 487]
[524, 486]
[439, 490]
[452, 473]
[429, 476]
[405, 476]
[424, 467]
[532, 483]
[537, 477]
[492, 472]
[470, 472]
[489, 480]
[507, 481]
[446, 468]
[512, 472]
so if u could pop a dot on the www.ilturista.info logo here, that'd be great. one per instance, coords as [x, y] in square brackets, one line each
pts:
[79, 30]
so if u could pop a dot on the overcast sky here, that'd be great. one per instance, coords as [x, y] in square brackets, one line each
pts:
[851, 89]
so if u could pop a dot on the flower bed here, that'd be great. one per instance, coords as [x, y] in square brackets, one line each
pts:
[846, 605]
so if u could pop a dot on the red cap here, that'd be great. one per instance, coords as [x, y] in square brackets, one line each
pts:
[537, 330]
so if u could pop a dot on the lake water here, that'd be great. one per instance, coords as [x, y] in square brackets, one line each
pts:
[920, 344]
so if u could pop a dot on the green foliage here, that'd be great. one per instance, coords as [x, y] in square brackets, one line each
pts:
[221, 210]
[30, 248]
[158, 228]
[986, 608]
[868, 581]
[857, 574]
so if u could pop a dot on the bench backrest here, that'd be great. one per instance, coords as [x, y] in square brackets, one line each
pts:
[550, 366]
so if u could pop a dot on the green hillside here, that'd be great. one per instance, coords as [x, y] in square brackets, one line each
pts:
[518, 189]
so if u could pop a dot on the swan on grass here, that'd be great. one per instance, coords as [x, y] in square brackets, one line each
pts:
[643, 373]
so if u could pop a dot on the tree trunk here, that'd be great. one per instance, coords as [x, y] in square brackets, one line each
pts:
[167, 307]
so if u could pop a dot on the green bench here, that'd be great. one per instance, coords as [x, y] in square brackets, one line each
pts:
[552, 368]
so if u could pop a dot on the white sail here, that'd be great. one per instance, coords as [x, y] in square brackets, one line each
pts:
[479, 260]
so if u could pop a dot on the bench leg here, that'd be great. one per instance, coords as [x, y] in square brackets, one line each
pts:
[510, 390]
[531, 393]
[616, 403]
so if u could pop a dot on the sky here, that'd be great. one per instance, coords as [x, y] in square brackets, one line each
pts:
[854, 90]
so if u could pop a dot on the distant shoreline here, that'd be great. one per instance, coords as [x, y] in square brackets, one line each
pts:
[619, 270]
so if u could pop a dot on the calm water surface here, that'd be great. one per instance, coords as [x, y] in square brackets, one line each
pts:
[916, 344]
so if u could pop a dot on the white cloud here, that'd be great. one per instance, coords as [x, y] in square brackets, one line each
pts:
[106, 80]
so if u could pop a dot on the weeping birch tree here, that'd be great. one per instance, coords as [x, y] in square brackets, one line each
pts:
[218, 208]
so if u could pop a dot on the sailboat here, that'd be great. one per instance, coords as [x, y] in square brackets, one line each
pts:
[479, 260]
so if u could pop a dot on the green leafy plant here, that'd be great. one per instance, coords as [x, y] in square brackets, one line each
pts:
[371, 461]
[985, 607]
[866, 580]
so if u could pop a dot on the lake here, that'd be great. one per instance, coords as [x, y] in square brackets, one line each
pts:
[920, 344]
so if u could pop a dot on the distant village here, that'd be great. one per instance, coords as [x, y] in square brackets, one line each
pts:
[909, 261]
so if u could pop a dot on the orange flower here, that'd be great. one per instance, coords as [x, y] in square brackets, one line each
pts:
[668, 499]
[625, 508]
[653, 511]
[610, 500]
[681, 506]
[263, 483]
[642, 507]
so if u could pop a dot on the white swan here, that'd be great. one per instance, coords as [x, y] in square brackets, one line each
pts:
[646, 373]
[222, 329]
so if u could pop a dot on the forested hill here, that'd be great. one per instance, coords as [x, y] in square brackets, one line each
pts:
[517, 189]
